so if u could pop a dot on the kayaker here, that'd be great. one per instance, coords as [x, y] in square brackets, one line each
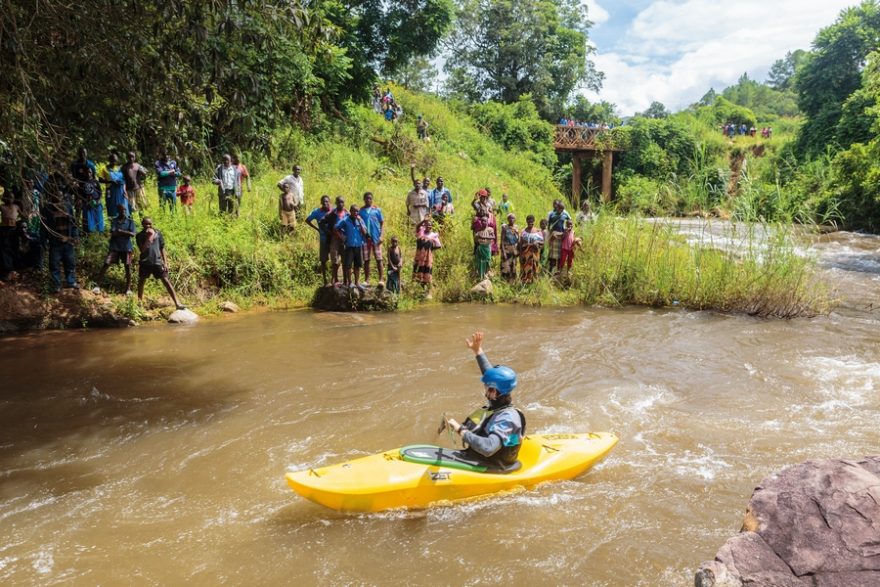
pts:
[493, 433]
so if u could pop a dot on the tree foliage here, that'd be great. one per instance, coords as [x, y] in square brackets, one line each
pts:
[762, 99]
[831, 73]
[656, 110]
[503, 49]
[658, 148]
[517, 127]
[781, 74]
[597, 112]
[195, 76]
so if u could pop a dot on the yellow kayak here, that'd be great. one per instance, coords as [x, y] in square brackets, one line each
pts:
[416, 476]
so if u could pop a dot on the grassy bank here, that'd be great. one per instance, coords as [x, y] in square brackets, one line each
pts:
[623, 261]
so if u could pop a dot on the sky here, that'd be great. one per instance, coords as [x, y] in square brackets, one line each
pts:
[673, 51]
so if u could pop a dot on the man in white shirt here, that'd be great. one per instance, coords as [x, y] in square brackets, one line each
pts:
[294, 183]
[228, 182]
[417, 204]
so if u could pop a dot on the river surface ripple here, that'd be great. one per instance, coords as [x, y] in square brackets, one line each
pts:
[155, 455]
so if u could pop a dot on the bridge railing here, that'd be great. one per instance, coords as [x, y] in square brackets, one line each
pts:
[577, 138]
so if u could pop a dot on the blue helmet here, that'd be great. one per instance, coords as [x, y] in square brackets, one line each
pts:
[501, 378]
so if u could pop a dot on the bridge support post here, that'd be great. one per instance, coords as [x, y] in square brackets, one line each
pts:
[607, 162]
[576, 180]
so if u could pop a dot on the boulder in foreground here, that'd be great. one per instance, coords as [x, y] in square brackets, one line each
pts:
[816, 524]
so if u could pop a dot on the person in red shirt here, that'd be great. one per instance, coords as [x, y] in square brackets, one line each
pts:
[187, 195]
[243, 173]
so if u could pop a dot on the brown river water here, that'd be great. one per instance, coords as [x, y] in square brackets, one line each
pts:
[156, 455]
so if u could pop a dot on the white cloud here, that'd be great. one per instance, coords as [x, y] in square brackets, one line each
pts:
[675, 51]
[595, 12]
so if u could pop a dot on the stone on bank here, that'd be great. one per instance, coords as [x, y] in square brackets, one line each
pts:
[183, 317]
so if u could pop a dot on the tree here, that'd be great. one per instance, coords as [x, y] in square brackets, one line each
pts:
[385, 36]
[831, 73]
[708, 98]
[762, 99]
[586, 111]
[418, 74]
[518, 127]
[782, 71]
[656, 111]
[503, 49]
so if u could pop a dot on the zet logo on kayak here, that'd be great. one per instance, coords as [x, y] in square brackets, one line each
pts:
[440, 476]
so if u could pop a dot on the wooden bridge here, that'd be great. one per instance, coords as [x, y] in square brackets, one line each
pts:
[582, 143]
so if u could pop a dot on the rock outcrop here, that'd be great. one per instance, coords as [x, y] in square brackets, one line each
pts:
[23, 306]
[343, 299]
[816, 524]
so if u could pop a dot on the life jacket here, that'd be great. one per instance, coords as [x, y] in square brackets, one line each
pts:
[478, 421]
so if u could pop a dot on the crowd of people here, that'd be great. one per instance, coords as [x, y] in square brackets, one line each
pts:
[57, 209]
[48, 215]
[731, 130]
[384, 104]
[352, 238]
[551, 244]
[573, 123]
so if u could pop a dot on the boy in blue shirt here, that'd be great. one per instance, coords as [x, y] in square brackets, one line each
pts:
[353, 233]
[317, 215]
[375, 223]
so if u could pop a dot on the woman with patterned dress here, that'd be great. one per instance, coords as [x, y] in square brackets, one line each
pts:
[423, 264]
[531, 243]
[509, 248]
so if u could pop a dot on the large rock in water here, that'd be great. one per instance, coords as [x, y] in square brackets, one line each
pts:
[343, 299]
[812, 525]
[183, 317]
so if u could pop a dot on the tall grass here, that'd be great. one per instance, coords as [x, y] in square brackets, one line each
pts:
[630, 261]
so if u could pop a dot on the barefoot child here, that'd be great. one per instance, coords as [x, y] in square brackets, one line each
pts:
[187, 195]
[569, 244]
[287, 208]
[395, 262]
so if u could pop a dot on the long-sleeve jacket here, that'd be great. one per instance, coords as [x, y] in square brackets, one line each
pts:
[503, 429]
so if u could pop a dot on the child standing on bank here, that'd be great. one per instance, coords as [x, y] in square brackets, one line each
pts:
[569, 244]
[287, 209]
[395, 262]
[187, 195]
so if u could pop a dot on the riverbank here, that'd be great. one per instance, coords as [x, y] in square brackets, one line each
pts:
[624, 261]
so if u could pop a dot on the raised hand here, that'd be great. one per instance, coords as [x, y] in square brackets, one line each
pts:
[475, 342]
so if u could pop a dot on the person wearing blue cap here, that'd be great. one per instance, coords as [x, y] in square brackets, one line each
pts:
[493, 433]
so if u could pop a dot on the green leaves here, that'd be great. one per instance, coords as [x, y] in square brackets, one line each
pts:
[832, 72]
[198, 77]
[502, 49]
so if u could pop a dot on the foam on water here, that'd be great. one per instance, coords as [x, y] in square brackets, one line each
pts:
[638, 402]
[704, 466]
[848, 380]
[44, 561]
[29, 507]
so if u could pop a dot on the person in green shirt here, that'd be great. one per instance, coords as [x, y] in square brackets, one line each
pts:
[506, 206]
